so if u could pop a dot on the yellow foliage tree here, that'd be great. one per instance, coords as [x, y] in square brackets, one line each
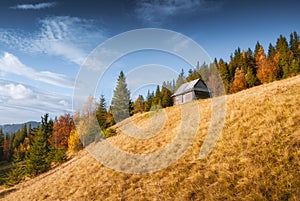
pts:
[74, 143]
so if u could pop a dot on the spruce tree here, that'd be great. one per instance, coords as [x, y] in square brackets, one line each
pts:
[149, 100]
[156, 104]
[37, 157]
[271, 52]
[101, 113]
[17, 172]
[121, 99]
[282, 57]
[295, 45]
[166, 96]
[224, 74]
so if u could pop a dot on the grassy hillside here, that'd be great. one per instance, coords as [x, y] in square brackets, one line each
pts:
[256, 158]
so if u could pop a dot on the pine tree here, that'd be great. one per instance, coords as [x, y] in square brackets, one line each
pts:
[149, 100]
[19, 137]
[101, 113]
[156, 104]
[295, 57]
[121, 99]
[47, 129]
[282, 57]
[224, 74]
[193, 75]
[17, 173]
[271, 52]
[37, 158]
[295, 45]
[236, 61]
[166, 96]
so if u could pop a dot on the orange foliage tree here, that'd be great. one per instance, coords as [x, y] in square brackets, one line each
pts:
[61, 131]
[267, 70]
[239, 83]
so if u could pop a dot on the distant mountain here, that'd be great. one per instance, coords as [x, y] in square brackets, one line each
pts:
[12, 128]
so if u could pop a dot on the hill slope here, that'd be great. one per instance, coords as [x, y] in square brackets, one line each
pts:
[256, 158]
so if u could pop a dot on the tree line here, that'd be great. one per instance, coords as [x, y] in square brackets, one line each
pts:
[34, 151]
[247, 68]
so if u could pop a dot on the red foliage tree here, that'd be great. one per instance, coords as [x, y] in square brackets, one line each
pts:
[61, 131]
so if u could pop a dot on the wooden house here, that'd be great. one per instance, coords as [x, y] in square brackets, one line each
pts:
[189, 91]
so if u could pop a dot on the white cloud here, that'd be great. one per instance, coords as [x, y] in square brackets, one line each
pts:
[11, 64]
[67, 37]
[21, 103]
[16, 92]
[37, 6]
[155, 12]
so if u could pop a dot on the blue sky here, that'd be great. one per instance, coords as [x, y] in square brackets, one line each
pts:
[44, 43]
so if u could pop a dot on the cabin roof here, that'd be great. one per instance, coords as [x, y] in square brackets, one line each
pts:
[190, 86]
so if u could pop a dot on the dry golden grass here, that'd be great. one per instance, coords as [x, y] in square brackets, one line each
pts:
[256, 158]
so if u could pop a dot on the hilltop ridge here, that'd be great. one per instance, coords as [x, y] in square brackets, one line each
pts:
[13, 128]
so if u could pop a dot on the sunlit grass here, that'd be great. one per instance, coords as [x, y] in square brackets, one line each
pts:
[256, 158]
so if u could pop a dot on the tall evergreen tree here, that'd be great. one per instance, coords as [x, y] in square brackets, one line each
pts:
[149, 100]
[282, 57]
[295, 57]
[224, 74]
[101, 113]
[271, 52]
[166, 97]
[193, 75]
[295, 45]
[17, 172]
[37, 157]
[121, 99]
[250, 69]
[47, 129]
[157, 98]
